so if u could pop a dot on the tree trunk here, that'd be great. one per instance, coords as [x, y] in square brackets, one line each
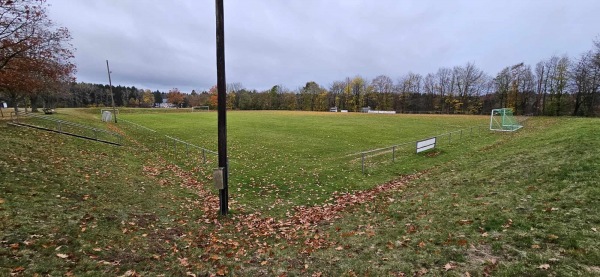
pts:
[34, 99]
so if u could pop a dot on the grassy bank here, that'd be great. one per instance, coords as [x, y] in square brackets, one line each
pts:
[504, 205]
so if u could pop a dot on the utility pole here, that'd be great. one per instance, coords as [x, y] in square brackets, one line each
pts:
[112, 98]
[222, 108]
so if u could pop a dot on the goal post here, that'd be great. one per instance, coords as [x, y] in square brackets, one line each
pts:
[504, 120]
[116, 111]
[200, 109]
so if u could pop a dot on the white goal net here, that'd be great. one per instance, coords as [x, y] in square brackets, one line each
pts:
[200, 109]
[504, 120]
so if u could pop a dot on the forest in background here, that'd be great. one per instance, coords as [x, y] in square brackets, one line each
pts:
[36, 70]
[555, 86]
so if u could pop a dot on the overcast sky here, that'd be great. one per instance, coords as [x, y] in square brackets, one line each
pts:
[158, 44]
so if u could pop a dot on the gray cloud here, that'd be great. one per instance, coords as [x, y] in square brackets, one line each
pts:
[164, 44]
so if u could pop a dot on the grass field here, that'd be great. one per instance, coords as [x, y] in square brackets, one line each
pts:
[284, 156]
[493, 204]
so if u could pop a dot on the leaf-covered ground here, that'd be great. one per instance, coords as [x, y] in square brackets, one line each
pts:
[525, 204]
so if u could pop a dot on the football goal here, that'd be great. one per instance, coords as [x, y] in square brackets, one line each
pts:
[201, 109]
[504, 120]
[116, 111]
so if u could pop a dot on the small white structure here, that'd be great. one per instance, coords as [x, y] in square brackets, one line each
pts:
[106, 116]
[384, 112]
[426, 144]
[333, 109]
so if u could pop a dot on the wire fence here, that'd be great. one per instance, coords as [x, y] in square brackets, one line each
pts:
[175, 150]
[374, 157]
[49, 123]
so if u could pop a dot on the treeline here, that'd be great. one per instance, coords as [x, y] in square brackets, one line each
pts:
[36, 70]
[555, 86]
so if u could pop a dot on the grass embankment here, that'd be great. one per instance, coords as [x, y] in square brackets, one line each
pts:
[522, 204]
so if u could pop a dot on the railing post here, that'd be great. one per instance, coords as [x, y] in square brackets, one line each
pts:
[393, 153]
[363, 162]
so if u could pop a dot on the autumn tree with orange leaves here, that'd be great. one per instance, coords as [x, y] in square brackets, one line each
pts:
[175, 97]
[35, 55]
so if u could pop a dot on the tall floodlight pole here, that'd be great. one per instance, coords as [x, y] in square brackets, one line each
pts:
[112, 98]
[222, 108]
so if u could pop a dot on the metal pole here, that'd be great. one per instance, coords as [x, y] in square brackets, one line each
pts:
[112, 98]
[221, 107]
[362, 162]
[393, 153]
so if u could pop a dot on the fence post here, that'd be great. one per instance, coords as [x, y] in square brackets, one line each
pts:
[393, 153]
[460, 134]
[203, 155]
[59, 127]
[95, 133]
[187, 149]
[363, 162]
[449, 137]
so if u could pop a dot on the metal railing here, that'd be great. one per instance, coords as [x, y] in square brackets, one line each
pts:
[410, 147]
[171, 147]
[65, 127]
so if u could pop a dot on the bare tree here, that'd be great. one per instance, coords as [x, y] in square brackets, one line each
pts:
[467, 78]
[383, 86]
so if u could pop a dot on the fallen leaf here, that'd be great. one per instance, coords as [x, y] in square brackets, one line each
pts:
[449, 266]
[467, 274]
[594, 229]
[339, 248]
[484, 234]
[421, 244]
[222, 271]
[552, 236]
[183, 262]
[264, 262]
[129, 273]
[1, 201]
[17, 269]
[544, 266]
[535, 246]
[62, 256]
